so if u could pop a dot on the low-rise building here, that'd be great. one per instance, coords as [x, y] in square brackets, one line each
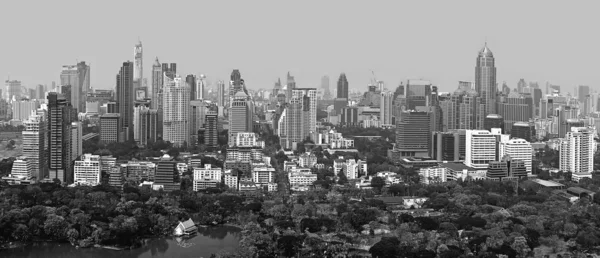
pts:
[87, 170]
[206, 177]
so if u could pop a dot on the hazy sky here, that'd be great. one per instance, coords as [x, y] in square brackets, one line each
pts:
[556, 41]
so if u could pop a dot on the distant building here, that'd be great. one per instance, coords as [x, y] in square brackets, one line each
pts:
[88, 169]
[110, 128]
[307, 160]
[206, 177]
[517, 149]
[493, 121]
[480, 148]
[577, 151]
[166, 172]
[524, 130]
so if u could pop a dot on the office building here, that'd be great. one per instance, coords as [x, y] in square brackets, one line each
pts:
[448, 146]
[493, 121]
[325, 87]
[76, 140]
[78, 76]
[515, 108]
[480, 148]
[523, 130]
[110, 128]
[22, 109]
[241, 115]
[145, 125]
[413, 133]
[583, 94]
[220, 94]
[176, 111]
[125, 99]
[342, 87]
[35, 143]
[166, 171]
[197, 116]
[12, 89]
[59, 138]
[206, 177]
[190, 80]
[40, 92]
[577, 151]
[463, 109]
[485, 80]
[386, 108]
[507, 168]
[22, 168]
[87, 170]
[138, 65]
[517, 149]
[211, 132]
[418, 94]
[157, 77]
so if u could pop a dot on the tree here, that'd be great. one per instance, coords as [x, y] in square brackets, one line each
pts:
[377, 182]
[342, 179]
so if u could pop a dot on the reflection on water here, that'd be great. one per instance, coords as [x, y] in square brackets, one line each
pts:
[208, 241]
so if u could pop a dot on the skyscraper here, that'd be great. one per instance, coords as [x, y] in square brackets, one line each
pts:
[385, 109]
[190, 79]
[110, 128]
[40, 91]
[342, 86]
[176, 111]
[418, 94]
[413, 133]
[325, 87]
[199, 87]
[221, 94]
[577, 151]
[138, 65]
[583, 94]
[480, 148]
[521, 85]
[12, 88]
[59, 137]
[76, 140]
[514, 109]
[211, 132]
[197, 116]
[290, 85]
[157, 75]
[241, 113]
[485, 80]
[463, 109]
[145, 124]
[125, 98]
[35, 143]
[78, 76]
[236, 84]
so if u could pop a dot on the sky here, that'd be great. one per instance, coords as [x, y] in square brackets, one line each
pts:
[555, 41]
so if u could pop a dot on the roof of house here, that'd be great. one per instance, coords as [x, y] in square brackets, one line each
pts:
[547, 183]
[579, 190]
[188, 224]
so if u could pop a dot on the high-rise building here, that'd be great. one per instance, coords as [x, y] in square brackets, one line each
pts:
[157, 76]
[485, 80]
[166, 171]
[22, 168]
[480, 148]
[298, 120]
[221, 94]
[78, 76]
[493, 121]
[211, 132]
[241, 115]
[577, 151]
[197, 116]
[514, 108]
[463, 109]
[110, 128]
[236, 84]
[35, 143]
[87, 170]
[22, 109]
[385, 108]
[325, 87]
[517, 149]
[176, 111]
[40, 92]
[583, 95]
[59, 138]
[523, 130]
[12, 88]
[199, 87]
[448, 146]
[138, 64]
[76, 140]
[145, 123]
[418, 94]
[413, 133]
[125, 99]
[342, 87]
[521, 85]
[190, 80]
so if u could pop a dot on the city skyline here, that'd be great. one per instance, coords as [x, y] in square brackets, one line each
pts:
[530, 50]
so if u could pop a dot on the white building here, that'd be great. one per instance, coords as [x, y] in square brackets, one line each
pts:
[76, 140]
[87, 170]
[301, 177]
[22, 109]
[307, 160]
[176, 110]
[263, 175]
[386, 108]
[33, 145]
[517, 149]
[22, 168]
[231, 180]
[577, 151]
[245, 139]
[480, 148]
[207, 173]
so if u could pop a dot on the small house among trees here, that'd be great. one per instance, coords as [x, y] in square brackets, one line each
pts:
[185, 228]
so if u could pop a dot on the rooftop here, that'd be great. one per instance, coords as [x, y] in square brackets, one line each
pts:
[547, 183]
[456, 166]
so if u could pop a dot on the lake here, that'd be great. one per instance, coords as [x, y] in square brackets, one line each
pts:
[208, 241]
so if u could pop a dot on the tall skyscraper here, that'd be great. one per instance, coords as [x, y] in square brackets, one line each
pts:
[385, 109]
[413, 133]
[76, 140]
[40, 91]
[125, 98]
[514, 109]
[199, 87]
[197, 116]
[521, 85]
[138, 71]
[176, 111]
[418, 94]
[241, 113]
[325, 87]
[236, 84]
[290, 85]
[298, 119]
[485, 80]
[342, 86]
[59, 137]
[157, 76]
[12, 88]
[583, 94]
[463, 109]
[577, 151]
[78, 76]
[221, 94]
[211, 132]
[190, 79]
[35, 143]
[145, 124]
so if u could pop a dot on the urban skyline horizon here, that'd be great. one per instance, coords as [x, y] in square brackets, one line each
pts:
[264, 45]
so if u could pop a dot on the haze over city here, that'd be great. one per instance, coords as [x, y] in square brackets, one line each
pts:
[437, 41]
